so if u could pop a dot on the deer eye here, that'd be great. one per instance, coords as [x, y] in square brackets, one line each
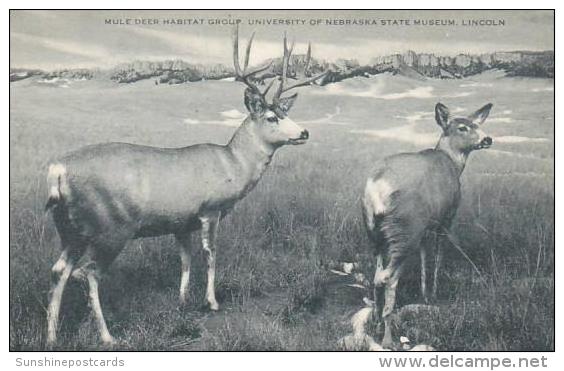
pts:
[463, 129]
[272, 119]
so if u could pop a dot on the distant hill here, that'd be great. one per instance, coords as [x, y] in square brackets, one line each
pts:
[169, 72]
[410, 64]
[517, 63]
[17, 74]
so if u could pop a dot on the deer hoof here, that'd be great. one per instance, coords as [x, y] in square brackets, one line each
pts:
[387, 343]
[381, 278]
[50, 344]
[108, 341]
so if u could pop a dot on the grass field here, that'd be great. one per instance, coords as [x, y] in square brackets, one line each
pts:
[276, 247]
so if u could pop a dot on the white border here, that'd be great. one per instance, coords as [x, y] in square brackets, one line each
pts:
[254, 361]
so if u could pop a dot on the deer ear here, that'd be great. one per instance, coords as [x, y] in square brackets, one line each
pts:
[286, 103]
[480, 115]
[442, 115]
[254, 102]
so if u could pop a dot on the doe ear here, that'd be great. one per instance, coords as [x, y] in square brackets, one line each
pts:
[480, 115]
[254, 102]
[442, 115]
[286, 103]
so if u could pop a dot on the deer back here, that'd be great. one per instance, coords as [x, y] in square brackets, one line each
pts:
[421, 187]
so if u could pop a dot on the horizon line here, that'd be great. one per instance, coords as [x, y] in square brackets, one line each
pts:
[165, 59]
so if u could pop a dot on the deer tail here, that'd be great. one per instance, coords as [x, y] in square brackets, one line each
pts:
[57, 185]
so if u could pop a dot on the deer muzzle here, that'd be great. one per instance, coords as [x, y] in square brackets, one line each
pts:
[304, 136]
[485, 143]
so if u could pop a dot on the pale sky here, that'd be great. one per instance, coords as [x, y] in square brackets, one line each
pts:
[69, 39]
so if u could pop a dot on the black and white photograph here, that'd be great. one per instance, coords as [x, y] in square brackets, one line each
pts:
[282, 180]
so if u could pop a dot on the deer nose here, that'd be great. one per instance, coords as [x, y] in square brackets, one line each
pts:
[487, 141]
[304, 134]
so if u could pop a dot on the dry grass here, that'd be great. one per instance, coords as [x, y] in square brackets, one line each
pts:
[276, 246]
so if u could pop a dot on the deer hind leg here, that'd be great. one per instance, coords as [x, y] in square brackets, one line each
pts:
[185, 247]
[395, 268]
[378, 286]
[438, 261]
[209, 232]
[99, 257]
[423, 253]
[92, 277]
[61, 272]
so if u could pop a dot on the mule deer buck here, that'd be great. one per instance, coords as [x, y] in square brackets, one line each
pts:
[411, 193]
[103, 195]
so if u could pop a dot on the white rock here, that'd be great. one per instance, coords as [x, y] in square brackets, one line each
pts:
[348, 267]
[404, 339]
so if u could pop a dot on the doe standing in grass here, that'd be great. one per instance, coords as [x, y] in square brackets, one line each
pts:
[411, 193]
[104, 195]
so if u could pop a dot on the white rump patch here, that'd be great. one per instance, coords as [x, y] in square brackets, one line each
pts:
[378, 193]
[56, 172]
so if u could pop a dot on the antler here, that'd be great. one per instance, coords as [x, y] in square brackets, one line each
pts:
[244, 75]
[308, 59]
[282, 88]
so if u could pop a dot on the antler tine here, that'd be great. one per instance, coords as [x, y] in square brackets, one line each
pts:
[248, 52]
[243, 75]
[290, 56]
[283, 77]
[238, 72]
[258, 69]
[268, 87]
[291, 50]
[282, 88]
[285, 61]
[304, 82]
[308, 58]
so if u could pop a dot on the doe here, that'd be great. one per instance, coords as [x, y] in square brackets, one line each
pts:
[103, 195]
[411, 193]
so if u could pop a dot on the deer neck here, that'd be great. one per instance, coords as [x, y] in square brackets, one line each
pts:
[457, 156]
[251, 153]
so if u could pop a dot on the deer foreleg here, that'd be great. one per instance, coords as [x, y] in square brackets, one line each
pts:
[61, 272]
[185, 247]
[209, 232]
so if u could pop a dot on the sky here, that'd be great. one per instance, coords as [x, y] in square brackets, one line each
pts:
[72, 39]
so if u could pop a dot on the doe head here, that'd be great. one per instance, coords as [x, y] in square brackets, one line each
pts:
[464, 134]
